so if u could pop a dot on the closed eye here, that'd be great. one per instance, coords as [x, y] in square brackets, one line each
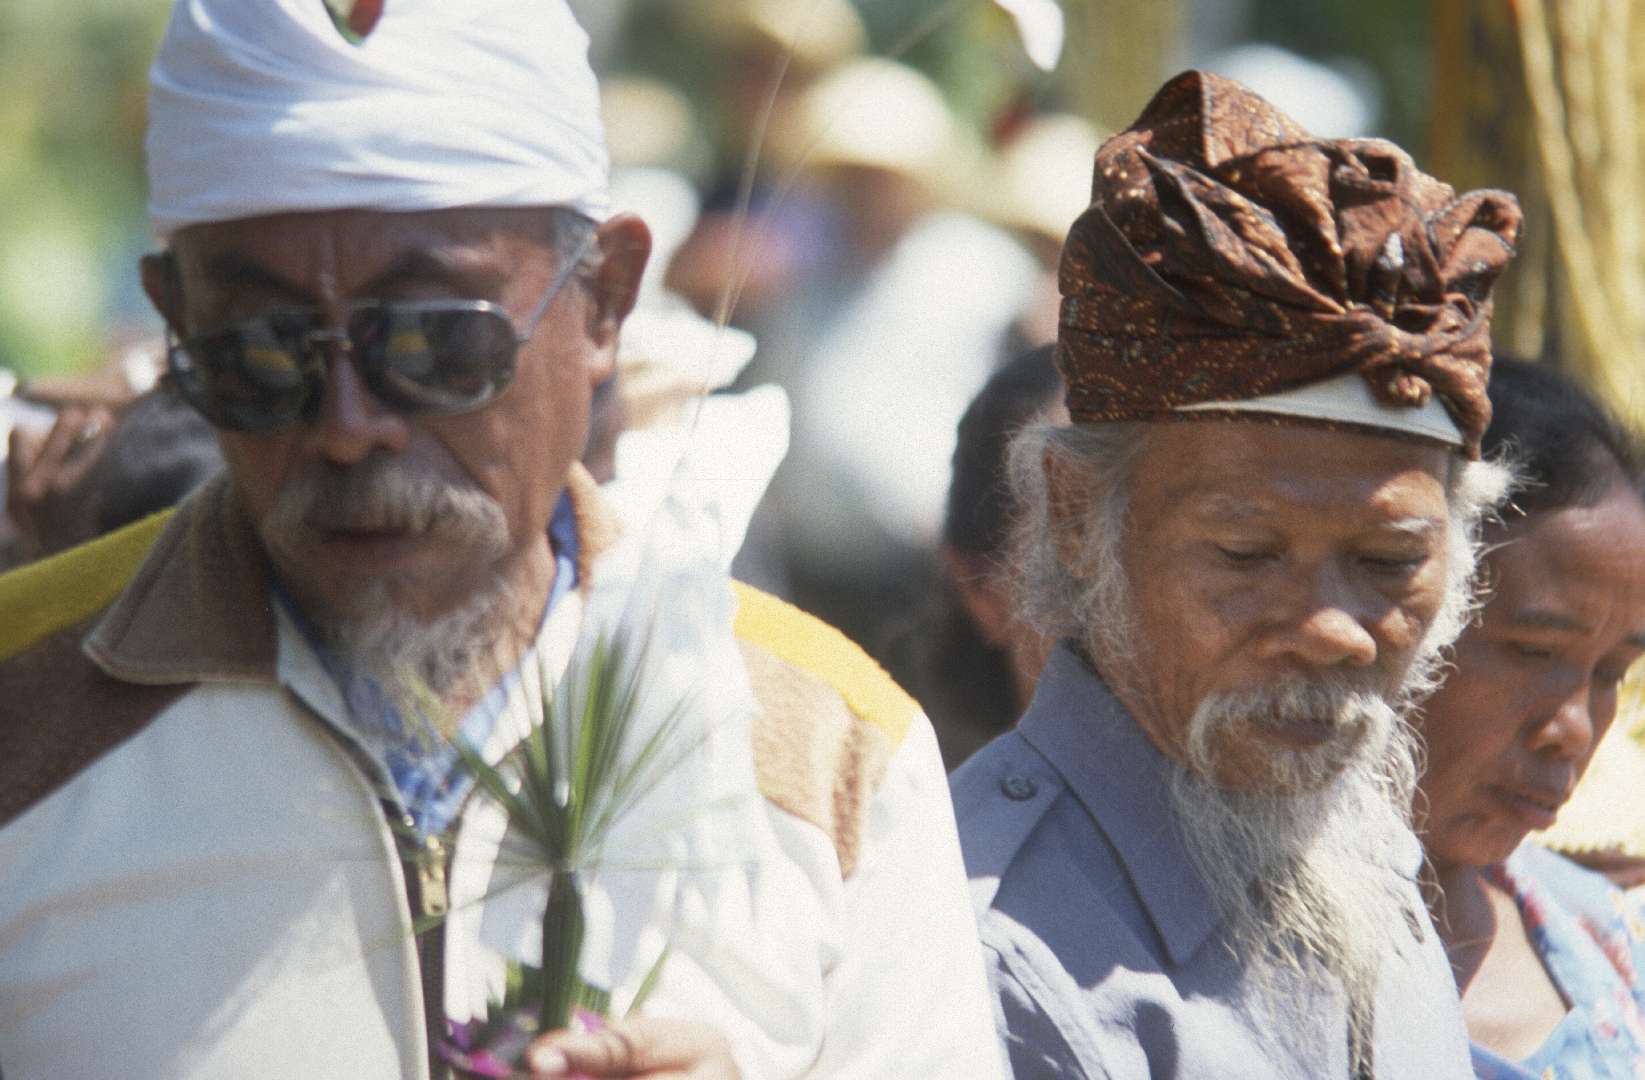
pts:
[1610, 676]
[1244, 557]
[1393, 564]
[1612, 671]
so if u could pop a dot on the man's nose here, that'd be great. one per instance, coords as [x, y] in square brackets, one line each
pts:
[1323, 625]
[1568, 731]
[352, 422]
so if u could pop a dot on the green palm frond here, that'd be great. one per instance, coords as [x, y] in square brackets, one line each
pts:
[649, 983]
[568, 784]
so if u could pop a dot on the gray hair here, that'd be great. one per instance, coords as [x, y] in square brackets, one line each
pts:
[1089, 599]
[1052, 597]
[1476, 492]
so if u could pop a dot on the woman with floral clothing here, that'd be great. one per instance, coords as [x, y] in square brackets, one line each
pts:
[1547, 954]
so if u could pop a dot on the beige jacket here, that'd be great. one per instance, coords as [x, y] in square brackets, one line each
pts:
[200, 877]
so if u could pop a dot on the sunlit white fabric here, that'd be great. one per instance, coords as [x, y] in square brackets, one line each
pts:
[1346, 398]
[260, 107]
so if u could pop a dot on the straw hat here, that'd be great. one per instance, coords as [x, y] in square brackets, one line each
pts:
[647, 122]
[816, 34]
[1042, 178]
[871, 113]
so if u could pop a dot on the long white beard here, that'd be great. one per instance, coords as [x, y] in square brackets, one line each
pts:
[1303, 872]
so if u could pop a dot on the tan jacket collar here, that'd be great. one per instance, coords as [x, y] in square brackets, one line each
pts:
[199, 607]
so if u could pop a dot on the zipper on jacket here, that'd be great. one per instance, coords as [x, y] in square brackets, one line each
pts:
[432, 863]
[425, 866]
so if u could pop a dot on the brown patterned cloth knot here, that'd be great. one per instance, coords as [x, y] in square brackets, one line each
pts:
[1227, 254]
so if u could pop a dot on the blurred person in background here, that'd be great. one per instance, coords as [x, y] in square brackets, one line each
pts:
[760, 235]
[47, 449]
[53, 429]
[1549, 959]
[881, 349]
[667, 396]
[1040, 182]
[98, 469]
[1193, 856]
[967, 656]
[651, 135]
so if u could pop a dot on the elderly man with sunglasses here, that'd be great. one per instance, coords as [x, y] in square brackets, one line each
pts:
[392, 281]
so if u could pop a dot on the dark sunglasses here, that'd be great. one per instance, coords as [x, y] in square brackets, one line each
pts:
[417, 356]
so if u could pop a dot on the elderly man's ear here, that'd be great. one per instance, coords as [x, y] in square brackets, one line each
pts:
[625, 245]
[162, 283]
[1068, 498]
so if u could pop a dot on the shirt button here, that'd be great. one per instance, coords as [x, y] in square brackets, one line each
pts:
[1020, 788]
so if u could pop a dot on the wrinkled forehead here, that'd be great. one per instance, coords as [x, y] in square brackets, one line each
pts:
[1576, 570]
[471, 249]
[1243, 471]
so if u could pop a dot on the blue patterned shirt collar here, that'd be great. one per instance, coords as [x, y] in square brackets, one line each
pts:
[427, 780]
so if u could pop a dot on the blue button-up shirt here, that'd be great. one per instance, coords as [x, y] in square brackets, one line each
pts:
[1106, 949]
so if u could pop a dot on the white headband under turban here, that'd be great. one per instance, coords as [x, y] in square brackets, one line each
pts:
[261, 107]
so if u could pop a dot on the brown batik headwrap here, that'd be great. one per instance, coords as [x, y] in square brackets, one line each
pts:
[1227, 254]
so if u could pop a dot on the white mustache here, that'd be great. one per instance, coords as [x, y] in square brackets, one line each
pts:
[1356, 721]
[378, 495]
[1333, 705]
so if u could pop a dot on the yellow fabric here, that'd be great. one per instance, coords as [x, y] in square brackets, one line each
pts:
[1585, 99]
[41, 598]
[813, 646]
[1542, 97]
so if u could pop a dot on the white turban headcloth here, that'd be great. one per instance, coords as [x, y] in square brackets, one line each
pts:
[261, 107]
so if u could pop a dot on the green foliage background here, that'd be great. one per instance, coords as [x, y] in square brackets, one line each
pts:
[72, 86]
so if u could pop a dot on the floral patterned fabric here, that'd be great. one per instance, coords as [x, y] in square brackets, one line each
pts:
[1592, 941]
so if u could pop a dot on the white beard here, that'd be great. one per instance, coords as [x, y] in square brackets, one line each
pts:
[417, 660]
[1303, 871]
[400, 649]
[379, 493]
